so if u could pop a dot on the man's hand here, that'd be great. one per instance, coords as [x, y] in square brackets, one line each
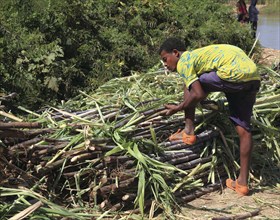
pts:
[191, 98]
[171, 109]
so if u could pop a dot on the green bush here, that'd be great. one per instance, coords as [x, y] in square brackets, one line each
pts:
[52, 49]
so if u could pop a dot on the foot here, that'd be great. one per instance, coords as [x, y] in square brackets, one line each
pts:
[181, 135]
[240, 189]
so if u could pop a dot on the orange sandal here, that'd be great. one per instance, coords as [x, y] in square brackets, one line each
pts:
[181, 135]
[240, 189]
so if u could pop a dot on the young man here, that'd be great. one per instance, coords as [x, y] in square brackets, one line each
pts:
[212, 68]
[253, 17]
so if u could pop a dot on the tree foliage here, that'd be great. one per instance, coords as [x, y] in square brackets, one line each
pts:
[51, 49]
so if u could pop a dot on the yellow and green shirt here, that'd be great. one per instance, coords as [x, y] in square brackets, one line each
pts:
[230, 63]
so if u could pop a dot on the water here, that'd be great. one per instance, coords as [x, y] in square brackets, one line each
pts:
[269, 31]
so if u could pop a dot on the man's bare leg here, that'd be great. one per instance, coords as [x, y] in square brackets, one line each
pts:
[246, 146]
[189, 121]
[187, 135]
[189, 115]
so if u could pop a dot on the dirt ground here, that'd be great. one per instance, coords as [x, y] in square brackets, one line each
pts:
[270, 57]
[229, 205]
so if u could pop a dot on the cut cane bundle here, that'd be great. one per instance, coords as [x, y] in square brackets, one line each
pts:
[117, 157]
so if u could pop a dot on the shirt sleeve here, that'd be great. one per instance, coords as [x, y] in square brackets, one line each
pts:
[187, 71]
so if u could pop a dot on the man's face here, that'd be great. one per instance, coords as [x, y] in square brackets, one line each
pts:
[170, 60]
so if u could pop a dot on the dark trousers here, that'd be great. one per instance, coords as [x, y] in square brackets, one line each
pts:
[254, 26]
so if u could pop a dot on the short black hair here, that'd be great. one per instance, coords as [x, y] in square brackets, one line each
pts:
[172, 43]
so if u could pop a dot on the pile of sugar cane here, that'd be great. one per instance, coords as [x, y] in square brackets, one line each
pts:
[110, 150]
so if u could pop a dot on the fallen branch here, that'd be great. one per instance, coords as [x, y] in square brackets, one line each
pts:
[241, 216]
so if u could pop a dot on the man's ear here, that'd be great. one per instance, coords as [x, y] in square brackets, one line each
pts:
[176, 53]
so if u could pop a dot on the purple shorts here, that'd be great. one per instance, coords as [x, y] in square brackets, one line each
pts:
[240, 96]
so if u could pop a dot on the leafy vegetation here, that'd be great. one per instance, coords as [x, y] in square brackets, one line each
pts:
[49, 50]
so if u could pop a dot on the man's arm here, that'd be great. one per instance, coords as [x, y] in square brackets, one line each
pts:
[195, 95]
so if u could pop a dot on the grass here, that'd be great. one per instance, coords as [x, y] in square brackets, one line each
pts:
[271, 7]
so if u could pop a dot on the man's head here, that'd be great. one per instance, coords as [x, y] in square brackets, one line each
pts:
[254, 2]
[170, 52]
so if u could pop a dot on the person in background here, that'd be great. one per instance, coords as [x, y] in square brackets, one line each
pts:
[242, 13]
[253, 16]
[217, 67]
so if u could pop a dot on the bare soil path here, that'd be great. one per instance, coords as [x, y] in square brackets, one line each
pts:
[229, 205]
